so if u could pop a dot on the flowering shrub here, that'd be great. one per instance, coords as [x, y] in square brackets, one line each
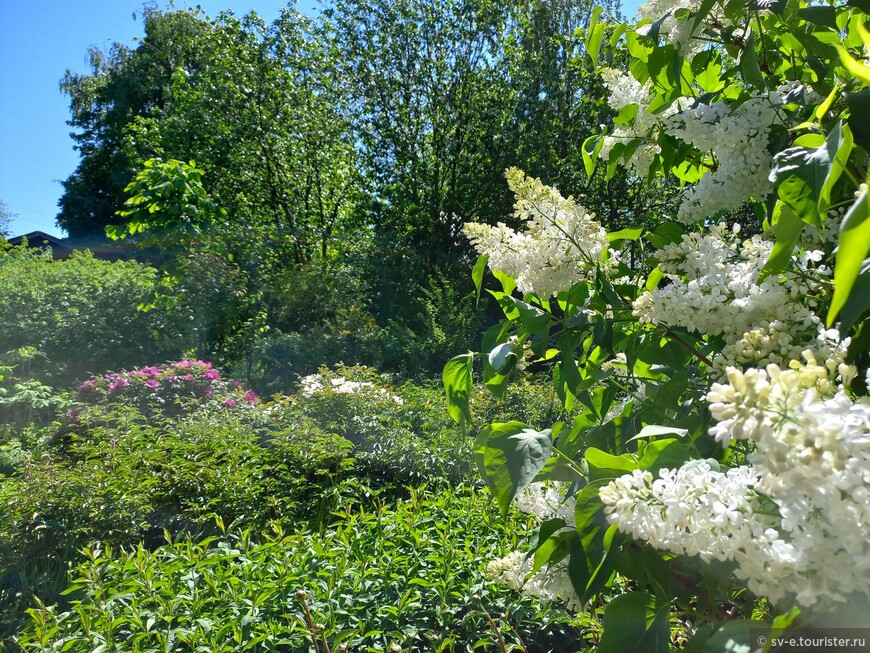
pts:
[168, 388]
[397, 440]
[316, 384]
[717, 460]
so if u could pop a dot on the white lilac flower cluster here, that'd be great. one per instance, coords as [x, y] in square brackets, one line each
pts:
[752, 401]
[714, 287]
[561, 245]
[551, 583]
[315, 384]
[618, 366]
[624, 90]
[523, 350]
[693, 510]
[824, 238]
[734, 141]
[796, 520]
[548, 583]
[546, 501]
[738, 139]
[676, 22]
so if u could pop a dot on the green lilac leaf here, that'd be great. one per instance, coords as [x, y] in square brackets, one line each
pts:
[852, 249]
[457, 381]
[859, 300]
[636, 623]
[509, 456]
[477, 275]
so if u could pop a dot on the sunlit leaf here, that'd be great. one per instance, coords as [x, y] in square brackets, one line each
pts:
[636, 622]
[477, 274]
[852, 249]
[509, 456]
[788, 228]
[457, 381]
[594, 35]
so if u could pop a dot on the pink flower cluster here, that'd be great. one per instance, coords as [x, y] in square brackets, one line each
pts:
[167, 385]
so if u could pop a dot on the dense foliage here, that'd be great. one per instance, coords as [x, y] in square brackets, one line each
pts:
[404, 576]
[83, 315]
[694, 465]
[719, 460]
[374, 473]
[343, 151]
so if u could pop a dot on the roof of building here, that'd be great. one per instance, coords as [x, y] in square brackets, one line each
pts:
[39, 239]
[64, 247]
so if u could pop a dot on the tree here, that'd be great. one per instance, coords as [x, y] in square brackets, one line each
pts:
[124, 85]
[5, 218]
[260, 122]
[559, 101]
[558, 97]
[274, 179]
[252, 104]
[445, 97]
[427, 105]
[168, 205]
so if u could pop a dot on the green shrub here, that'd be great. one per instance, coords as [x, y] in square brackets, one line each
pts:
[313, 295]
[531, 398]
[439, 323]
[12, 454]
[82, 313]
[402, 575]
[25, 400]
[123, 481]
[401, 435]
[278, 358]
[318, 318]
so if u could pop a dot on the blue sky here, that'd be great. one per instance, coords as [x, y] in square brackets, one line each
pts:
[39, 41]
